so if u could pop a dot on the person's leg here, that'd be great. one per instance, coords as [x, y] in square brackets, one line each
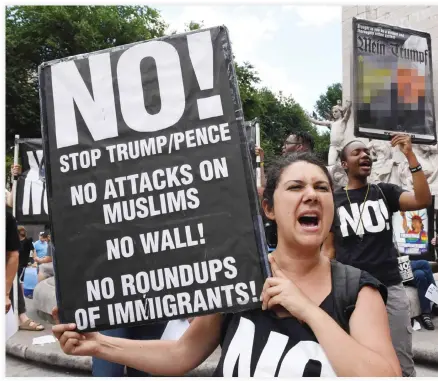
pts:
[145, 332]
[422, 284]
[103, 368]
[21, 302]
[400, 327]
[41, 274]
[425, 267]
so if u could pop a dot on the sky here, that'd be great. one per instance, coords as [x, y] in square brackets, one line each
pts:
[295, 49]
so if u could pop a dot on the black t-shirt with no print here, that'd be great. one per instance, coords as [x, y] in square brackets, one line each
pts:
[368, 245]
[26, 246]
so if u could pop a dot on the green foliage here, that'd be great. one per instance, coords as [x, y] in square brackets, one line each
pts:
[322, 144]
[36, 34]
[278, 115]
[193, 25]
[326, 101]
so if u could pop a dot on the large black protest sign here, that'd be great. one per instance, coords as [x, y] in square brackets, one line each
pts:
[393, 84]
[151, 194]
[31, 196]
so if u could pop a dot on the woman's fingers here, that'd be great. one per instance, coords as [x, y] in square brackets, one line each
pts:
[55, 315]
[67, 336]
[273, 301]
[272, 291]
[70, 345]
[275, 268]
[59, 329]
[269, 283]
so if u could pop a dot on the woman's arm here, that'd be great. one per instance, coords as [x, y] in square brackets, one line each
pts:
[159, 357]
[368, 350]
[421, 197]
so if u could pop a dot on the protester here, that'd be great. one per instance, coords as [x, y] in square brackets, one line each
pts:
[298, 311]
[12, 256]
[362, 234]
[45, 264]
[423, 278]
[26, 247]
[41, 246]
[300, 141]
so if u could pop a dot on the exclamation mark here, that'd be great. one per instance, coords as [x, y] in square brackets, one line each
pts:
[253, 290]
[201, 55]
[201, 233]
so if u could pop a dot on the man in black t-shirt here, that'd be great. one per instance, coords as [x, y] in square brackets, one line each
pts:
[26, 248]
[362, 234]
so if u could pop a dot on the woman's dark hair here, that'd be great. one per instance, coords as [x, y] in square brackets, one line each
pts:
[277, 167]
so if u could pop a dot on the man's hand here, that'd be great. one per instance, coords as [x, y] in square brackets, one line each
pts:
[8, 303]
[404, 143]
[259, 152]
[37, 260]
[15, 170]
[433, 241]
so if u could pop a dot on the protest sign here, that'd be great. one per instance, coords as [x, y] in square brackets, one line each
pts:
[152, 196]
[31, 195]
[413, 232]
[392, 82]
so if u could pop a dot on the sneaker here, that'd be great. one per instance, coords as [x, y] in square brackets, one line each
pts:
[427, 322]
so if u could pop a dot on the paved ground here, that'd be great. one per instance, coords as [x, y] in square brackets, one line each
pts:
[16, 367]
[425, 345]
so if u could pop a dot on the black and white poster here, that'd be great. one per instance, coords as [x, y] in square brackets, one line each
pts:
[152, 198]
[392, 82]
[31, 196]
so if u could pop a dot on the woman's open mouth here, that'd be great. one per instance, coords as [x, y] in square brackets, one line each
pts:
[309, 222]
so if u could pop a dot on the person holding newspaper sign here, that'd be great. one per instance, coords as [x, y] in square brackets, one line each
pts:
[362, 234]
[317, 318]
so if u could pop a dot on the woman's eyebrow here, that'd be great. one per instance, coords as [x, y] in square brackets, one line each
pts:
[294, 181]
[303, 182]
[321, 182]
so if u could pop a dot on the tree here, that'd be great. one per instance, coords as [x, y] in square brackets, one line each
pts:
[326, 101]
[36, 34]
[193, 25]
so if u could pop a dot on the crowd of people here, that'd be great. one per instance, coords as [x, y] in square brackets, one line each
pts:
[336, 295]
